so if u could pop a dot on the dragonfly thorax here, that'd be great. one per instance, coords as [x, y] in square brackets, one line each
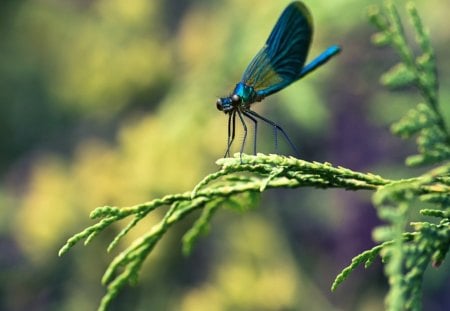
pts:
[245, 92]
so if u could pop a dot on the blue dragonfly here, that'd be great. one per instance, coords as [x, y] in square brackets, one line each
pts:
[279, 63]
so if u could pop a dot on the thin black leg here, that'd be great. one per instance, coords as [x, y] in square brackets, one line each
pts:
[276, 127]
[231, 131]
[245, 132]
[255, 127]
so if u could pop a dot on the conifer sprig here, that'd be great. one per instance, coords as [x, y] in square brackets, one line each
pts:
[425, 120]
[234, 185]
[406, 255]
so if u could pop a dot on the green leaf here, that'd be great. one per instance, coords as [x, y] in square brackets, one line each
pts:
[398, 76]
[381, 39]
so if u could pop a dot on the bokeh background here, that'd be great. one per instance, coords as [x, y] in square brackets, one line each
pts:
[113, 102]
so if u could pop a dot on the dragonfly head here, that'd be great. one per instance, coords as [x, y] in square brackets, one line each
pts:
[227, 104]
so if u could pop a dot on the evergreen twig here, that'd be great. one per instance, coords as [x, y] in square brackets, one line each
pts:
[406, 260]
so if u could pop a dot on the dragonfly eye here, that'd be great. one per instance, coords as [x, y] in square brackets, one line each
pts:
[235, 98]
[219, 104]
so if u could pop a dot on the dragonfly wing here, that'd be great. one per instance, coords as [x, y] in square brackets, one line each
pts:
[281, 60]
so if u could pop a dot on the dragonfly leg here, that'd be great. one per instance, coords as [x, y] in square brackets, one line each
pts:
[231, 131]
[255, 122]
[245, 133]
[276, 128]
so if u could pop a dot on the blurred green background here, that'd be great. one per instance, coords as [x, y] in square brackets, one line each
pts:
[113, 102]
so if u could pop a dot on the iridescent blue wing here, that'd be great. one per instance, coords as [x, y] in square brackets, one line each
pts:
[280, 61]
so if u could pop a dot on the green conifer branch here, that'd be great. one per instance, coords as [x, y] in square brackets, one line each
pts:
[408, 254]
[425, 120]
[367, 258]
[253, 175]
[238, 176]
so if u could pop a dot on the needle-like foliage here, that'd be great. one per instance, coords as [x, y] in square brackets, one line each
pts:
[425, 119]
[406, 254]
[237, 178]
